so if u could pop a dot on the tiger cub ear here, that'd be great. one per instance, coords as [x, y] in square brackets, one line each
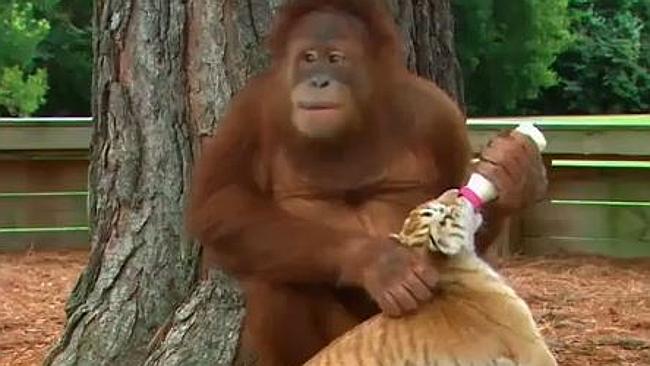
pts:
[449, 197]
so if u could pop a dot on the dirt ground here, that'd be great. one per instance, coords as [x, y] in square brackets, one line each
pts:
[593, 311]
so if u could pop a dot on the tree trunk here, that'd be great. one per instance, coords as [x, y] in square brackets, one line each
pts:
[428, 29]
[164, 71]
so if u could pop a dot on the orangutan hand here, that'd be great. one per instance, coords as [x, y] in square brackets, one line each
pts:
[514, 164]
[397, 278]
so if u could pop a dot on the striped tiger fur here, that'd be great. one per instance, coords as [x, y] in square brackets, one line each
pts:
[477, 319]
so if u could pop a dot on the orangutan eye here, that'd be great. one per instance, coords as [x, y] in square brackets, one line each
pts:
[310, 56]
[336, 57]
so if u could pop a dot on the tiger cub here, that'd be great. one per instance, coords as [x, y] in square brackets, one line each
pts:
[476, 319]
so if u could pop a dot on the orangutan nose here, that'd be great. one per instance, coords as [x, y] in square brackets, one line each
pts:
[320, 81]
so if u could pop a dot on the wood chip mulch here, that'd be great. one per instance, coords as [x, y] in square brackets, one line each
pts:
[34, 288]
[593, 311]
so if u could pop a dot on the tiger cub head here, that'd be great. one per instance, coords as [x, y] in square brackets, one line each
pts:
[446, 224]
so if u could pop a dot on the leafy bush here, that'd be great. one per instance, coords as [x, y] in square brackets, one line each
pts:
[22, 85]
[67, 55]
[606, 68]
[506, 48]
[22, 94]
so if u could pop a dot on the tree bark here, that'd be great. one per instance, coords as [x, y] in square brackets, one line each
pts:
[164, 70]
[428, 30]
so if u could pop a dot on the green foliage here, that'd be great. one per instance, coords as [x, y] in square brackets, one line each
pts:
[506, 48]
[22, 94]
[45, 42]
[67, 55]
[606, 68]
[21, 31]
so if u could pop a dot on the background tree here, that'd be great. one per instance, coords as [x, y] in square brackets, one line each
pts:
[606, 67]
[66, 54]
[506, 49]
[22, 85]
[163, 71]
